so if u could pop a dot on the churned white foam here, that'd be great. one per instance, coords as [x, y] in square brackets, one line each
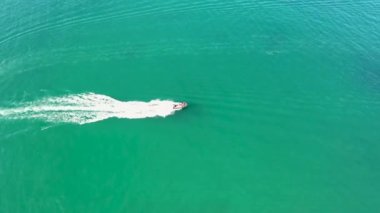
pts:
[87, 108]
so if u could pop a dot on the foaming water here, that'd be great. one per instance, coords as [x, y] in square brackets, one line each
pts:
[87, 108]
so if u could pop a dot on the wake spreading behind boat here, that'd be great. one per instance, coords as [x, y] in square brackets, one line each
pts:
[180, 106]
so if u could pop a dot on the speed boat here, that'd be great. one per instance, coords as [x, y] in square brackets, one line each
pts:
[180, 105]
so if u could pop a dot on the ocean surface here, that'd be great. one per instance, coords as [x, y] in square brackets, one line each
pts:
[283, 115]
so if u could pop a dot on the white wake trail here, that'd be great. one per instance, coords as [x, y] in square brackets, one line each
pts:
[87, 108]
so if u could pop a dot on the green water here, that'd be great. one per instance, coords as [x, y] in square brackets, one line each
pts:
[283, 116]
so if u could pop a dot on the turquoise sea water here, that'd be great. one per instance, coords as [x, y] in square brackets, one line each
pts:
[283, 116]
